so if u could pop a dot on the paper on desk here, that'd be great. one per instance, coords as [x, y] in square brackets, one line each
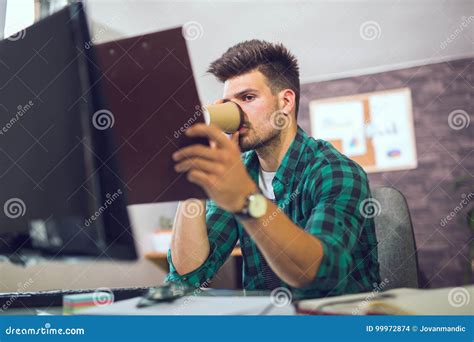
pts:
[404, 301]
[197, 305]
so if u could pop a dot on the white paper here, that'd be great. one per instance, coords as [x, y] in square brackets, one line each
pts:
[340, 121]
[197, 305]
[392, 135]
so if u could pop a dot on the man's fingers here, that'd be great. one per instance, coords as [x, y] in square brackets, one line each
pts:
[196, 150]
[211, 132]
[200, 178]
[235, 138]
[219, 101]
[198, 164]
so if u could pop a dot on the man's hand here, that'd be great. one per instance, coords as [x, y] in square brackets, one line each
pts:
[218, 169]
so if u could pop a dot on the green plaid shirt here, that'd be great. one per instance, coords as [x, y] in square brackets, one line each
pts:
[322, 192]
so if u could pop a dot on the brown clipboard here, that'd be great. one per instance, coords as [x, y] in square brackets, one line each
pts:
[150, 90]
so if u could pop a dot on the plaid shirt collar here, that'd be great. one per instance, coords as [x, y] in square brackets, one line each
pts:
[287, 171]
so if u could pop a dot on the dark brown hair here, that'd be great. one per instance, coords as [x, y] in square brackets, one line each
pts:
[274, 61]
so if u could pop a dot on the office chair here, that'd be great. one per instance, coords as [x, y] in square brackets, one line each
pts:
[396, 243]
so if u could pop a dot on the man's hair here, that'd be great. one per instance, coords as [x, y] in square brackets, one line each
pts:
[274, 61]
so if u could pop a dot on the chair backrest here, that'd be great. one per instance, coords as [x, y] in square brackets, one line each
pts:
[396, 243]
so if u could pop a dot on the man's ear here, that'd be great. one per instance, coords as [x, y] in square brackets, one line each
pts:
[287, 99]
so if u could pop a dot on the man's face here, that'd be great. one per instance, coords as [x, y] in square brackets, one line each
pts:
[251, 92]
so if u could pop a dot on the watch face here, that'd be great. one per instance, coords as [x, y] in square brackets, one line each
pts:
[257, 205]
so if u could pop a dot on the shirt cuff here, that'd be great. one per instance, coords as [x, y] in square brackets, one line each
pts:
[196, 278]
[333, 271]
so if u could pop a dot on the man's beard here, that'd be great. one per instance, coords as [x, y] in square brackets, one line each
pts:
[258, 141]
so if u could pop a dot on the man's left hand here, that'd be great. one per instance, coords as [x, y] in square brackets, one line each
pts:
[217, 168]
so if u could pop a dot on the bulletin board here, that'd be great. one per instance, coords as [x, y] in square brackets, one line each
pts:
[374, 129]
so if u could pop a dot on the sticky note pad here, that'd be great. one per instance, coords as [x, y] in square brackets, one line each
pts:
[72, 304]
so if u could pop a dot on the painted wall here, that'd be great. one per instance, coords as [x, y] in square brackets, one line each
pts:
[444, 156]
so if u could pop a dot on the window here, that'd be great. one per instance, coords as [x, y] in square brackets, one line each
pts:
[19, 14]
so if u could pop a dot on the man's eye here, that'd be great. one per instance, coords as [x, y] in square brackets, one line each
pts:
[248, 97]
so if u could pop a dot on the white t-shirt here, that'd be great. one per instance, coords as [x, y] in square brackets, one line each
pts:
[265, 184]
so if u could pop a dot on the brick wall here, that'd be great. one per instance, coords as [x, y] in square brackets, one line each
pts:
[444, 155]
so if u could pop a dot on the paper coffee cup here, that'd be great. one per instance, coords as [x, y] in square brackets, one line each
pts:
[227, 116]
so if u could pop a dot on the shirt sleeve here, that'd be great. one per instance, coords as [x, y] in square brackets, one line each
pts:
[339, 191]
[222, 234]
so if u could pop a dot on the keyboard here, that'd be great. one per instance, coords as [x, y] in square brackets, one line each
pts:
[52, 298]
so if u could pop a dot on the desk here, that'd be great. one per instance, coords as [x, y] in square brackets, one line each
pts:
[408, 301]
[201, 302]
[160, 258]
[129, 305]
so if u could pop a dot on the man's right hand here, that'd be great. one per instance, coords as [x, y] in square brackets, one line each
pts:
[189, 241]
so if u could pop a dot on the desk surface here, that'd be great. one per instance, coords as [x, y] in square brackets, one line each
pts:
[201, 305]
[204, 293]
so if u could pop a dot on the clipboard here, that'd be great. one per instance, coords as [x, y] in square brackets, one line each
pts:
[149, 85]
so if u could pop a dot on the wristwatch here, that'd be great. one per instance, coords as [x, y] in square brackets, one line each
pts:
[255, 207]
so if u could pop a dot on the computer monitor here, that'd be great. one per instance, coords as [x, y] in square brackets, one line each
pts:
[61, 193]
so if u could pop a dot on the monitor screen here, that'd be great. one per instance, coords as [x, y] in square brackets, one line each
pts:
[61, 190]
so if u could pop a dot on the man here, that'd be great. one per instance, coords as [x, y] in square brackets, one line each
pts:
[293, 202]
